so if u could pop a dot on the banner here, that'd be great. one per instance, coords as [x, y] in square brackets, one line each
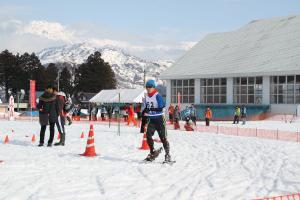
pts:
[11, 107]
[179, 100]
[32, 94]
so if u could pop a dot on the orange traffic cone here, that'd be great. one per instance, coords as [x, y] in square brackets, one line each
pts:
[58, 136]
[90, 146]
[6, 140]
[145, 145]
[82, 135]
[33, 138]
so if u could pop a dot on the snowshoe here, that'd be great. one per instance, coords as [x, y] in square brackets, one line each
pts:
[168, 159]
[154, 155]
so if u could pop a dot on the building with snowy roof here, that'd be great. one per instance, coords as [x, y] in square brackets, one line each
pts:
[257, 65]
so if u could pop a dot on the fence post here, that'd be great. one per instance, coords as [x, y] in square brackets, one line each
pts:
[218, 129]
[237, 131]
[277, 134]
[256, 132]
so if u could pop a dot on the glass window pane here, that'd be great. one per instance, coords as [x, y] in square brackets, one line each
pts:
[185, 91]
[216, 81]
[297, 89]
[243, 89]
[258, 80]
[290, 89]
[243, 99]
[291, 79]
[236, 81]
[191, 91]
[274, 89]
[203, 90]
[250, 98]
[250, 89]
[282, 79]
[191, 99]
[203, 99]
[258, 99]
[185, 83]
[298, 79]
[209, 99]
[173, 82]
[174, 99]
[209, 82]
[236, 99]
[216, 99]
[192, 82]
[179, 82]
[274, 99]
[244, 81]
[223, 90]
[223, 81]
[179, 90]
[236, 90]
[203, 82]
[209, 90]
[185, 99]
[280, 99]
[298, 99]
[223, 99]
[250, 80]
[173, 91]
[274, 79]
[290, 99]
[216, 90]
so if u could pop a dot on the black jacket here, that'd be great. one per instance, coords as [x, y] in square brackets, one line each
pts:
[48, 108]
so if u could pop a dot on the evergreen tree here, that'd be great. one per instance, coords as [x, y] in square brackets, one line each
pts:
[65, 81]
[51, 74]
[94, 75]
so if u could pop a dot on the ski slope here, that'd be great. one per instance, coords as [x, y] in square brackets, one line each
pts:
[208, 166]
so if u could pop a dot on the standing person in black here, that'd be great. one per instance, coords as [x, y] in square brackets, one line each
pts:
[48, 114]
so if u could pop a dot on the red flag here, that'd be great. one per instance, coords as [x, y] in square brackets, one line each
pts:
[32, 94]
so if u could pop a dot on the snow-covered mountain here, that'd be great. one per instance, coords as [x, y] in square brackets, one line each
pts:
[128, 69]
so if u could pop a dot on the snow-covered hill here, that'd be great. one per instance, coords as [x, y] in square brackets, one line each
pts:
[128, 69]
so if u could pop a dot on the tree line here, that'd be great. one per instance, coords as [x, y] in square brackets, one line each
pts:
[16, 70]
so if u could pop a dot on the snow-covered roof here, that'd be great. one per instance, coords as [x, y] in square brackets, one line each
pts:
[262, 47]
[126, 96]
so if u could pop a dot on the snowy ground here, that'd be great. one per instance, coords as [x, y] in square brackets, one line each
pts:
[208, 166]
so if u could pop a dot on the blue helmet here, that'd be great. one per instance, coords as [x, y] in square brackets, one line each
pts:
[151, 83]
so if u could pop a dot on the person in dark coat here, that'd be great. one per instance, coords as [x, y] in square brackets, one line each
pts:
[61, 119]
[48, 114]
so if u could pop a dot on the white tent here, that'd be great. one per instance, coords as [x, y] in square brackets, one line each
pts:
[126, 96]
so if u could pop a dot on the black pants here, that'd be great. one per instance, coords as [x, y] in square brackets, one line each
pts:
[42, 133]
[236, 119]
[207, 121]
[193, 118]
[60, 125]
[171, 117]
[143, 124]
[157, 124]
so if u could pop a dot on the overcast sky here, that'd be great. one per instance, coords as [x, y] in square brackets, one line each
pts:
[152, 29]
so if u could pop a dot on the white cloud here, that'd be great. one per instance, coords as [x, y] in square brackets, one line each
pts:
[35, 35]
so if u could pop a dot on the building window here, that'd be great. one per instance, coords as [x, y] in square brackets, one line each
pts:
[247, 90]
[213, 90]
[186, 88]
[285, 89]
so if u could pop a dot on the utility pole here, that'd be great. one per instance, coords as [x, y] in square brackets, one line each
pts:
[144, 76]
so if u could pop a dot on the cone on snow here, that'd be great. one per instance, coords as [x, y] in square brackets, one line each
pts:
[6, 140]
[82, 135]
[90, 146]
[33, 138]
[145, 145]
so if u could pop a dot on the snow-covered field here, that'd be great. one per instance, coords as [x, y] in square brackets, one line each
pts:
[209, 166]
